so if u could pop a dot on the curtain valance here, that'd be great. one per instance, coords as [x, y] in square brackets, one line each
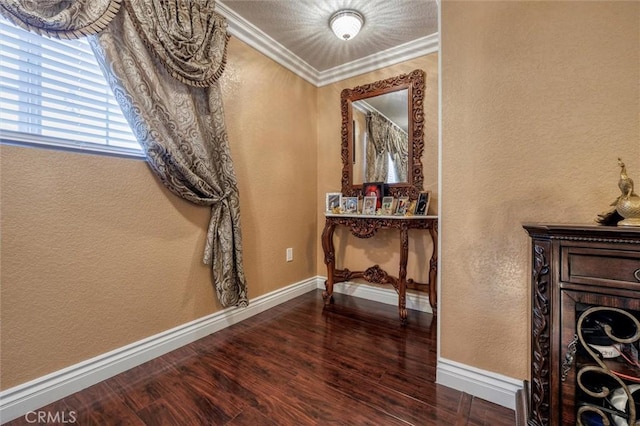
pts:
[61, 18]
[188, 36]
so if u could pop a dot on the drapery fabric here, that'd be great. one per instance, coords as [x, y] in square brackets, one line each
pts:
[188, 36]
[385, 139]
[398, 146]
[377, 164]
[180, 126]
[61, 18]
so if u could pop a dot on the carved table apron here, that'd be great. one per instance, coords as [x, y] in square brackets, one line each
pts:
[366, 227]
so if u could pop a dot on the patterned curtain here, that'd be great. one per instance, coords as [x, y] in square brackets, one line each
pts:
[171, 99]
[60, 18]
[377, 164]
[188, 37]
[385, 138]
[398, 146]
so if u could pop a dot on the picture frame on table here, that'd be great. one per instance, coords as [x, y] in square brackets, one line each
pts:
[333, 200]
[350, 205]
[376, 189]
[403, 205]
[369, 205]
[422, 204]
[387, 205]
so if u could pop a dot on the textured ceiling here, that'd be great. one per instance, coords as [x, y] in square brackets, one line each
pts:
[302, 26]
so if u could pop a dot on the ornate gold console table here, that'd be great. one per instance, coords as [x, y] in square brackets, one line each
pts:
[366, 227]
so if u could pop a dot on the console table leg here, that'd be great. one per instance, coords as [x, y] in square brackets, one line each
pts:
[329, 260]
[402, 274]
[433, 269]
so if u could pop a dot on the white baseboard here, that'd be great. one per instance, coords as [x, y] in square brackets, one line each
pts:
[483, 384]
[21, 399]
[415, 301]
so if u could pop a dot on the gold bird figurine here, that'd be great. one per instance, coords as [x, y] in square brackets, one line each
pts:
[625, 183]
[628, 203]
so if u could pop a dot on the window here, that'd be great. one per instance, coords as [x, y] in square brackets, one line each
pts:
[53, 93]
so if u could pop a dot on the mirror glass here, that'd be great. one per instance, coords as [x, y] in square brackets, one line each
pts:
[383, 135]
[381, 125]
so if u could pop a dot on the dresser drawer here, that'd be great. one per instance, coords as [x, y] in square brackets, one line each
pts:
[602, 267]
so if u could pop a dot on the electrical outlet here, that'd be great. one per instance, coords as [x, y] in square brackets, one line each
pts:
[290, 254]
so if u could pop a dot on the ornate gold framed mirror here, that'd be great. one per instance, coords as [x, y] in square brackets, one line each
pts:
[383, 135]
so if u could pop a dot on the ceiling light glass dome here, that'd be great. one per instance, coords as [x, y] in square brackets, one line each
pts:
[346, 24]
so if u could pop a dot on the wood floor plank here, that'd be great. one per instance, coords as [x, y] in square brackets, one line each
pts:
[164, 413]
[464, 407]
[299, 363]
[100, 405]
[326, 405]
[392, 402]
[251, 416]
[484, 413]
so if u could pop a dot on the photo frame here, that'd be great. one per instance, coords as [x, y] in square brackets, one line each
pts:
[350, 205]
[369, 205]
[403, 205]
[374, 189]
[422, 205]
[333, 200]
[387, 205]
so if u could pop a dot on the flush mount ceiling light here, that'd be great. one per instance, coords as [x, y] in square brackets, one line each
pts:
[346, 24]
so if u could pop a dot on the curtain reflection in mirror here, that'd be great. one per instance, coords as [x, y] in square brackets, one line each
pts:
[387, 150]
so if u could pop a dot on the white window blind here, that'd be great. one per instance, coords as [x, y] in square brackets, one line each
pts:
[52, 92]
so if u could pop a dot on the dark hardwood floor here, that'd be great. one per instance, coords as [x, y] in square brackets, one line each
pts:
[296, 364]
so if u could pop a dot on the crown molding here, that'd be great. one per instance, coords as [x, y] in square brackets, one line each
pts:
[404, 52]
[259, 40]
[263, 43]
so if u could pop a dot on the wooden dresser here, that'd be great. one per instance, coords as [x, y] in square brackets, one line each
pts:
[585, 312]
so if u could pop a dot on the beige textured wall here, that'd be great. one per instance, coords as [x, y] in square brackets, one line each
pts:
[352, 252]
[96, 254]
[539, 100]
[271, 115]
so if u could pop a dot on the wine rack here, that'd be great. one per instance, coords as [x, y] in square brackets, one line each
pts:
[585, 325]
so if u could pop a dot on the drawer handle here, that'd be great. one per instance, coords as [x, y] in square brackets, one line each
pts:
[637, 274]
